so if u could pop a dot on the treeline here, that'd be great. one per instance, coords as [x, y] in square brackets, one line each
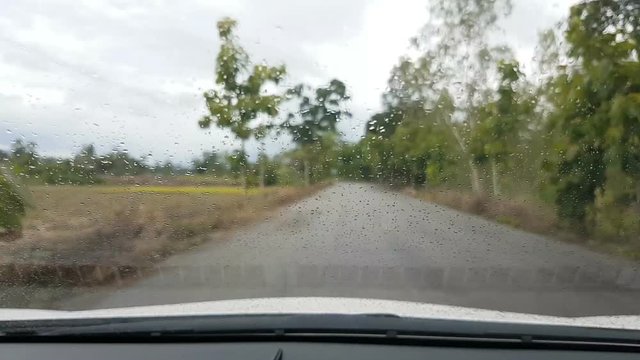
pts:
[463, 115]
[284, 169]
[23, 162]
[85, 167]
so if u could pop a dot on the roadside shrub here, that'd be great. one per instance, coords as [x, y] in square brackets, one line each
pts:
[12, 209]
[288, 176]
[613, 218]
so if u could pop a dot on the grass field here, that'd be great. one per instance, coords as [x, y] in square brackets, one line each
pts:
[113, 225]
[83, 236]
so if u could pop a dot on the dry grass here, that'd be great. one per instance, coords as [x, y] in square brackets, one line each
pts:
[524, 213]
[202, 190]
[107, 225]
[171, 180]
[527, 214]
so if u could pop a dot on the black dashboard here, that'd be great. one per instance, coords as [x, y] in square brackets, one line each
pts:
[280, 351]
[307, 336]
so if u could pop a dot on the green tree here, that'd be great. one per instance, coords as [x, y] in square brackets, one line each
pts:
[238, 162]
[87, 157]
[120, 163]
[314, 126]
[268, 170]
[12, 207]
[501, 123]
[411, 140]
[456, 38]
[168, 168]
[240, 96]
[209, 163]
[596, 99]
[25, 160]
[423, 145]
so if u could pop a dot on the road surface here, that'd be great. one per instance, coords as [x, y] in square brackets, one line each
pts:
[359, 240]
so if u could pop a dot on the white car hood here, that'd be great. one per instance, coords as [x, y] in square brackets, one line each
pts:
[322, 305]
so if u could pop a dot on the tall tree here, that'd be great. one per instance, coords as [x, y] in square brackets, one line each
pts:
[209, 163]
[501, 122]
[314, 125]
[597, 103]
[240, 96]
[458, 58]
[12, 207]
[24, 158]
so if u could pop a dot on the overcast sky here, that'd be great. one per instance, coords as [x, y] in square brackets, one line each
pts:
[130, 74]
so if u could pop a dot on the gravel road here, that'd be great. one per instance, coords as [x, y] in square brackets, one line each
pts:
[359, 240]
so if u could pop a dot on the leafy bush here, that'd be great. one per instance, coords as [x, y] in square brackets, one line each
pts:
[615, 215]
[12, 208]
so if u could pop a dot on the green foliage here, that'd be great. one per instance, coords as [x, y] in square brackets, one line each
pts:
[240, 97]
[596, 110]
[12, 206]
[267, 169]
[288, 175]
[353, 161]
[82, 169]
[424, 85]
[237, 161]
[581, 124]
[24, 158]
[503, 124]
[500, 120]
[210, 163]
[120, 163]
[318, 114]
[313, 128]
[66, 172]
[614, 215]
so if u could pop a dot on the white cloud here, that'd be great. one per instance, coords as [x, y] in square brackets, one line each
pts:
[364, 60]
[131, 75]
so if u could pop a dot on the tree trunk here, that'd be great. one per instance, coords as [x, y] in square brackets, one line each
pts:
[475, 178]
[262, 158]
[244, 166]
[495, 181]
[261, 175]
[307, 176]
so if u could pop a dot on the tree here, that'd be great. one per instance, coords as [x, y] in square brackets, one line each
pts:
[408, 86]
[237, 161]
[120, 163]
[353, 162]
[210, 163]
[25, 159]
[87, 157]
[596, 102]
[240, 97]
[168, 168]
[84, 166]
[27, 163]
[4, 156]
[501, 122]
[424, 143]
[314, 126]
[455, 38]
[12, 208]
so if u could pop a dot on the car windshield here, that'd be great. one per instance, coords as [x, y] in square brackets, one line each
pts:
[471, 153]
